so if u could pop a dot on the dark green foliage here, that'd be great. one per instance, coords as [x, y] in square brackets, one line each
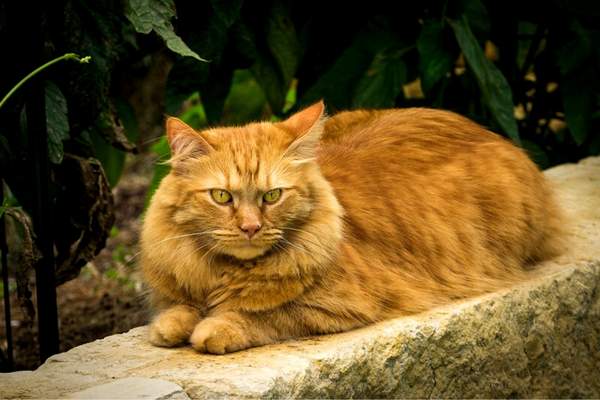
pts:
[496, 92]
[368, 56]
[155, 15]
[268, 59]
[436, 57]
[57, 122]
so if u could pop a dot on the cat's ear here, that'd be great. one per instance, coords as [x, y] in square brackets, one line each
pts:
[307, 125]
[184, 141]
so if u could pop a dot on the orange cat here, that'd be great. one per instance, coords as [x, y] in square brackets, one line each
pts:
[311, 225]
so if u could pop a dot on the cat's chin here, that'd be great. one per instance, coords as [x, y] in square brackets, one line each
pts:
[245, 252]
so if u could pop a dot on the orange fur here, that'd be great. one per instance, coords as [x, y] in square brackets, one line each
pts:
[383, 213]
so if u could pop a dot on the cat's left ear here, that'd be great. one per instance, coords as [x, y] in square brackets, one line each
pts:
[307, 125]
[184, 141]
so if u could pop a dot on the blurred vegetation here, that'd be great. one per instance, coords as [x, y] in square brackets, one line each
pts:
[527, 70]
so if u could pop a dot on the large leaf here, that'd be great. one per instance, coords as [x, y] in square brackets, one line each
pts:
[112, 137]
[337, 85]
[536, 153]
[576, 64]
[112, 159]
[578, 100]
[246, 100]
[86, 210]
[382, 82]
[162, 150]
[477, 15]
[212, 79]
[436, 59]
[575, 50]
[185, 78]
[156, 15]
[283, 42]
[57, 122]
[267, 76]
[496, 91]
[228, 12]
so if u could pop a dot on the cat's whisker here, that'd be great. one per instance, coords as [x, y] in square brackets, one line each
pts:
[134, 256]
[308, 239]
[288, 228]
[184, 250]
[310, 252]
[207, 253]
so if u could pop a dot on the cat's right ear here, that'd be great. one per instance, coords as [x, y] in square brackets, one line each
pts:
[307, 125]
[184, 141]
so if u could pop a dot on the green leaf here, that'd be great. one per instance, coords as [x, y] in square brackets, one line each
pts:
[106, 149]
[382, 82]
[195, 115]
[337, 85]
[156, 15]
[267, 76]
[185, 78]
[496, 91]
[576, 49]
[162, 150]
[246, 101]
[228, 12]
[477, 15]
[576, 63]
[283, 42]
[578, 100]
[57, 122]
[112, 159]
[536, 153]
[128, 119]
[435, 59]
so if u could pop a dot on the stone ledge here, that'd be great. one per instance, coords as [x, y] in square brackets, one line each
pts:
[539, 339]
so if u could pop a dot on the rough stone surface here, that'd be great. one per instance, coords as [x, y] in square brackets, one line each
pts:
[539, 339]
[133, 388]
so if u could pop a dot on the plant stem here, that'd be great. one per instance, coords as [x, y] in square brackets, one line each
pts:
[67, 56]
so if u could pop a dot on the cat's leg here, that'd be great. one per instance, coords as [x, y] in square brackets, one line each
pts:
[228, 332]
[233, 331]
[174, 325]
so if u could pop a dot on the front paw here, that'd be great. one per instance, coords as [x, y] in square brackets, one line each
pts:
[217, 335]
[173, 326]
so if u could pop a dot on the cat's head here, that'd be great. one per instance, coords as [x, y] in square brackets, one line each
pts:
[245, 191]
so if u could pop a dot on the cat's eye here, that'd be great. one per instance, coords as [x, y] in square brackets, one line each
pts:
[272, 195]
[221, 196]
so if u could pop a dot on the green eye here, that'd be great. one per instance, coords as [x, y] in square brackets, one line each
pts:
[272, 196]
[220, 196]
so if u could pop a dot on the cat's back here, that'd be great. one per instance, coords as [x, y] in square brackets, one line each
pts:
[379, 149]
[432, 181]
[428, 130]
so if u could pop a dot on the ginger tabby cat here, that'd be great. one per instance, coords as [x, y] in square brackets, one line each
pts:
[272, 231]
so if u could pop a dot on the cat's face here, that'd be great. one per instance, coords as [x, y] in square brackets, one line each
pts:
[241, 190]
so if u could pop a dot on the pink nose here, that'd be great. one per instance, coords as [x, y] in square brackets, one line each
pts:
[250, 228]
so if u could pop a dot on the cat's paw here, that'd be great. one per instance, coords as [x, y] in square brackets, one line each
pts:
[216, 335]
[173, 326]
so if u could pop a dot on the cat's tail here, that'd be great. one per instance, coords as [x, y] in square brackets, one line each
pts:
[553, 240]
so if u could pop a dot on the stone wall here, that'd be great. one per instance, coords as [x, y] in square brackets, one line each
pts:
[539, 339]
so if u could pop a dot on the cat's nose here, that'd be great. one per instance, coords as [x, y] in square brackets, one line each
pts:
[250, 228]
